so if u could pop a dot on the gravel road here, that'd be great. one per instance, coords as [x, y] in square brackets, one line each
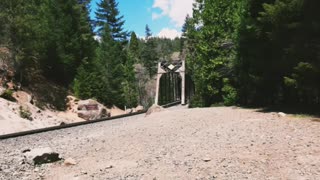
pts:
[178, 143]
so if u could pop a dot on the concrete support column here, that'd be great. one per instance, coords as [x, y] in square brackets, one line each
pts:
[183, 83]
[156, 101]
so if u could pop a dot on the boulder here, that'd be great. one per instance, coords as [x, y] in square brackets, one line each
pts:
[154, 108]
[22, 97]
[91, 109]
[139, 108]
[40, 156]
[281, 114]
[72, 104]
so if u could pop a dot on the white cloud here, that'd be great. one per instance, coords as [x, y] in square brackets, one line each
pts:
[176, 10]
[169, 33]
[156, 16]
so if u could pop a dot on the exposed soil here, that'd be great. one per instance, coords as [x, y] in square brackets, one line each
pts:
[177, 143]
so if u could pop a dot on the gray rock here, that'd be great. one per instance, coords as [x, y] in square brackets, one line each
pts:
[91, 109]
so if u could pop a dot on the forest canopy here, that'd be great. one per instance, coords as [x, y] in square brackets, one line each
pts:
[247, 52]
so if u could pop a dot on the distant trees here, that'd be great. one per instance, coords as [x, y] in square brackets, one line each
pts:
[149, 55]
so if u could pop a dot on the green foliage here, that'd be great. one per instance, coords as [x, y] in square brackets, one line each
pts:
[289, 29]
[70, 41]
[149, 55]
[7, 94]
[110, 77]
[134, 48]
[108, 13]
[210, 47]
[229, 94]
[25, 113]
[196, 101]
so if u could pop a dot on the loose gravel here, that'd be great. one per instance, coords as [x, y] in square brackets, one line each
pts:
[177, 143]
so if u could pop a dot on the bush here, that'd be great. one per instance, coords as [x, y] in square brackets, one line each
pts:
[230, 95]
[25, 113]
[196, 101]
[8, 95]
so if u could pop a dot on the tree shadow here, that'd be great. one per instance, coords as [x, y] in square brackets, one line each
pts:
[296, 110]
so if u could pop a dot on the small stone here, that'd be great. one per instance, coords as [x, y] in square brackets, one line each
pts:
[26, 150]
[63, 124]
[206, 159]
[69, 162]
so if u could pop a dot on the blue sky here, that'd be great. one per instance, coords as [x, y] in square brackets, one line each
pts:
[164, 17]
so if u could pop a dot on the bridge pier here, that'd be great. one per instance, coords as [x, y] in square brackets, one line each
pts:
[183, 83]
[158, 88]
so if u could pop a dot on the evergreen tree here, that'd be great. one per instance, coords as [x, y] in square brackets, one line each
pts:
[134, 47]
[149, 55]
[23, 31]
[108, 13]
[70, 41]
[110, 60]
[212, 53]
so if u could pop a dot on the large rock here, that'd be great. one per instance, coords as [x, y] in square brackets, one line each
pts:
[91, 109]
[72, 104]
[154, 108]
[139, 108]
[22, 97]
[41, 156]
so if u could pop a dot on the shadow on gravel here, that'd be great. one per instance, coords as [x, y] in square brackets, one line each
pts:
[299, 110]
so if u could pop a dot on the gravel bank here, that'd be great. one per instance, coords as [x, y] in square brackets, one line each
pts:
[178, 143]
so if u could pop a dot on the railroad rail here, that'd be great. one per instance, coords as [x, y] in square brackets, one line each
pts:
[65, 126]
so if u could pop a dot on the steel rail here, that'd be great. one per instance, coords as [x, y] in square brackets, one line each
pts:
[66, 126]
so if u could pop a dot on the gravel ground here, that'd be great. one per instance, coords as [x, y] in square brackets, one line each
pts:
[178, 143]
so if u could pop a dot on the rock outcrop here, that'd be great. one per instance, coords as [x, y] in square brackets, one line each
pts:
[91, 109]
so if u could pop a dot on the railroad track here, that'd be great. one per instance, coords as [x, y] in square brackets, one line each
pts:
[65, 126]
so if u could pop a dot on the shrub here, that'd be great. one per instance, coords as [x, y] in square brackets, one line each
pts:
[25, 113]
[196, 101]
[8, 95]
[230, 95]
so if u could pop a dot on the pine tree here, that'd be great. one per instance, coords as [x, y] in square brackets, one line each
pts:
[24, 29]
[108, 13]
[210, 49]
[134, 47]
[149, 55]
[70, 42]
